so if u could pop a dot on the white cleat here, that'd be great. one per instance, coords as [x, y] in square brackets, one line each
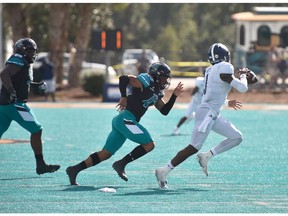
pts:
[203, 161]
[161, 174]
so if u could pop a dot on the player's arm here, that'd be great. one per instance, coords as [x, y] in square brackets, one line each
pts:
[124, 81]
[240, 85]
[8, 71]
[165, 108]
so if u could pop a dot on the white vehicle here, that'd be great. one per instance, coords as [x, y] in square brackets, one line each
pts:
[86, 66]
[130, 59]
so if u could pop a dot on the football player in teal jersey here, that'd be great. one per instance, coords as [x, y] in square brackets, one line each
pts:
[147, 90]
[17, 78]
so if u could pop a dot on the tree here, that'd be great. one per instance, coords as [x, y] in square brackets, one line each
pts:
[18, 23]
[169, 45]
[58, 34]
[82, 39]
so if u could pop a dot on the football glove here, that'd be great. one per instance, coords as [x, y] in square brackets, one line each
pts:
[39, 87]
[242, 71]
[42, 87]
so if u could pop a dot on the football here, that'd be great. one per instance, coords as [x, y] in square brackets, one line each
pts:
[251, 76]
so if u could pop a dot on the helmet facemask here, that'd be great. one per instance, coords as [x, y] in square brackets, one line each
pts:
[164, 82]
[161, 74]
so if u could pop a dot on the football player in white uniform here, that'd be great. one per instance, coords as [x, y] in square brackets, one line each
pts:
[219, 79]
[197, 94]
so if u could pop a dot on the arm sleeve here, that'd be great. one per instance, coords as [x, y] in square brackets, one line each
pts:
[123, 82]
[240, 85]
[168, 106]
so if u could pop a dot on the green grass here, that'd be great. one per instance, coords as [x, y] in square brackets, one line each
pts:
[251, 178]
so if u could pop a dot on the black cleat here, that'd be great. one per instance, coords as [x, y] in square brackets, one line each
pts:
[119, 167]
[72, 174]
[47, 169]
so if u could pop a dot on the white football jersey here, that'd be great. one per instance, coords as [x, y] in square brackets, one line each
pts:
[215, 89]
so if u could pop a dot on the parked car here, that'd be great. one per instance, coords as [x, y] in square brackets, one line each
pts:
[86, 66]
[130, 59]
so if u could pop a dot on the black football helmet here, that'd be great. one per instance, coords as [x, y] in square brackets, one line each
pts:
[27, 48]
[157, 70]
[218, 52]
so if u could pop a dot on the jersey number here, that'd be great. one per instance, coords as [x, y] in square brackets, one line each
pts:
[205, 85]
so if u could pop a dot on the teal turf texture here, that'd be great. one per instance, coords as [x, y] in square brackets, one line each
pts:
[251, 178]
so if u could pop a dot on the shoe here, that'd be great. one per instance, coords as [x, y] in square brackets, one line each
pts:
[203, 161]
[175, 131]
[161, 174]
[119, 167]
[46, 169]
[72, 174]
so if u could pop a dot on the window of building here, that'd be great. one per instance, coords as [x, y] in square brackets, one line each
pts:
[284, 36]
[264, 35]
[242, 35]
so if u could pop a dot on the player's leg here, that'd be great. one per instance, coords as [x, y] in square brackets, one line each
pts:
[92, 160]
[197, 140]
[233, 138]
[113, 143]
[189, 114]
[138, 134]
[176, 128]
[41, 166]
[24, 116]
[4, 119]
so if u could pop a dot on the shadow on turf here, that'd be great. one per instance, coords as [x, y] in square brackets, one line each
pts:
[154, 191]
[80, 188]
[172, 135]
[87, 188]
[20, 178]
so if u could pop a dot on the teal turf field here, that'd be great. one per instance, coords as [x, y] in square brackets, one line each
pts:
[251, 178]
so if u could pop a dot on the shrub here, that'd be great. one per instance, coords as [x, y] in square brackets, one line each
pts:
[92, 82]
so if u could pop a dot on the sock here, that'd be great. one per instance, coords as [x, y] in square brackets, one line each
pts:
[39, 159]
[137, 152]
[210, 153]
[81, 166]
[169, 166]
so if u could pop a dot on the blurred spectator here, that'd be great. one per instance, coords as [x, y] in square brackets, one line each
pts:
[143, 62]
[47, 70]
[272, 68]
[282, 66]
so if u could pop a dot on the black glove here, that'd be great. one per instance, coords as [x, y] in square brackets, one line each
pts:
[39, 87]
[12, 95]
